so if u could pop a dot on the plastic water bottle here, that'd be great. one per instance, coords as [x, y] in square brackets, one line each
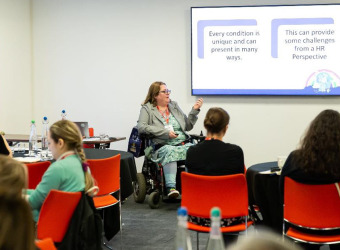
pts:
[33, 139]
[63, 114]
[182, 240]
[215, 241]
[44, 143]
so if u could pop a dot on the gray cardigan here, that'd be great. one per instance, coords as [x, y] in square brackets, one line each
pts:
[150, 121]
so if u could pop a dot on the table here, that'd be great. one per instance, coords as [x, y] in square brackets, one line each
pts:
[263, 191]
[97, 141]
[13, 139]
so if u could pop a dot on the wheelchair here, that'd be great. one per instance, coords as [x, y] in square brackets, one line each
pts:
[151, 180]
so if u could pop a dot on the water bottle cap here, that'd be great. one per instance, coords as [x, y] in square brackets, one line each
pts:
[63, 111]
[45, 118]
[182, 211]
[33, 121]
[215, 212]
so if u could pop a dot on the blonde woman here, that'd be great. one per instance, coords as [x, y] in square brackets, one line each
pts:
[69, 172]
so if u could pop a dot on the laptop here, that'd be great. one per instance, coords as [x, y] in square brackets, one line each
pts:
[84, 128]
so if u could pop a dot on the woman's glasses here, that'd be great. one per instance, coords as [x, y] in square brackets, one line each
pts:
[167, 91]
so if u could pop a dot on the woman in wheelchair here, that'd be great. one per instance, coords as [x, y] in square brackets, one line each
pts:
[163, 120]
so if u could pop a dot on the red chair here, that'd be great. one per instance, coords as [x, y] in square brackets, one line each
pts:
[56, 213]
[45, 244]
[228, 192]
[315, 207]
[36, 171]
[106, 172]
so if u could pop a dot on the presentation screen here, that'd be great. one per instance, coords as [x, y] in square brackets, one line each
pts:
[266, 50]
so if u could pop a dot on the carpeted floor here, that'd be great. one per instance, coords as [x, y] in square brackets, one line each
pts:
[146, 228]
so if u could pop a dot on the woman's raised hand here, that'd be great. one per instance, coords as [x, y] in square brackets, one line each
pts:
[198, 104]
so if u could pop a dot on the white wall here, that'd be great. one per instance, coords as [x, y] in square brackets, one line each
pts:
[96, 59]
[15, 66]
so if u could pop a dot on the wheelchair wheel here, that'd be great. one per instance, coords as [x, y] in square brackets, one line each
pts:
[154, 200]
[139, 188]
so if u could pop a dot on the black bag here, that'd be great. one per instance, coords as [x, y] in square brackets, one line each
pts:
[136, 145]
[85, 229]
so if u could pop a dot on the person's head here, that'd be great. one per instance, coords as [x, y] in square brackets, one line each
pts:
[216, 121]
[16, 222]
[13, 175]
[320, 147]
[7, 148]
[64, 136]
[263, 240]
[157, 94]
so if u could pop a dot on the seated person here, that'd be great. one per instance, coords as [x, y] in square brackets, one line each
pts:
[317, 160]
[69, 172]
[162, 118]
[13, 175]
[4, 147]
[263, 240]
[16, 222]
[214, 157]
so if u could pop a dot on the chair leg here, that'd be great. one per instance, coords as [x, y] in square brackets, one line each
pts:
[105, 245]
[197, 240]
[120, 221]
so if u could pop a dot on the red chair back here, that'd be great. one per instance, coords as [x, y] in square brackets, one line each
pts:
[106, 172]
[36, 171]
[56, 213]
[229, 192]
[313, 206]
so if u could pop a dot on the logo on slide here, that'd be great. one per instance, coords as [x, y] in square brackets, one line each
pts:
[322, 81]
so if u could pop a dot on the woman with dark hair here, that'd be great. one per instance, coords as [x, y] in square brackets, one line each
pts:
[317, 161]
[4, 147]
[165, 122]
[213, 156]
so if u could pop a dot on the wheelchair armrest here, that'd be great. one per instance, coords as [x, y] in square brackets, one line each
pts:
[145, 136]
[198, 138]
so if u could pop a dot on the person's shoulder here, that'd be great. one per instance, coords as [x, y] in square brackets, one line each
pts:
[293, 155]
[233, 147]
[173, 103]
[147, 105]
[64, 163]
[197, 146]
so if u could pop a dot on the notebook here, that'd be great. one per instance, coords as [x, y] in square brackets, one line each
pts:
[84, 128]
